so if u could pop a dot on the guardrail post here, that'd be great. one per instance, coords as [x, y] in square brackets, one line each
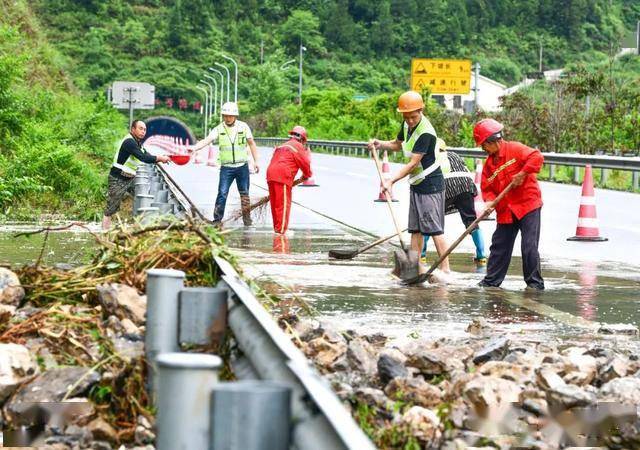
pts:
[202, 316]
[576, 174]
[262, 407]
[635, 180]
[552, 172]
[161, 336]
[185, 383]
[604, 174]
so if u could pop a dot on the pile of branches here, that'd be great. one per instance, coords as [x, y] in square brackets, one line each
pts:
[62, 308]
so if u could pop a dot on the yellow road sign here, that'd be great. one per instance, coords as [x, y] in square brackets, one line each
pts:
[441, 76]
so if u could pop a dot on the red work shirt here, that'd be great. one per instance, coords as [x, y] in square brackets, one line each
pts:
[498, 171]
[286, 160]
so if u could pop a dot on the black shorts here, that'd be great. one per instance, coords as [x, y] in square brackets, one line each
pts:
[117, 190]
[465, 205]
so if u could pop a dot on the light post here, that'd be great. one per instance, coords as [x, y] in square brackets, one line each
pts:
[210, 97]
[284, 66]
[221, 87]
[302, 49]
[228, 77]
[215, 95]
[235, 83]
[206, 107]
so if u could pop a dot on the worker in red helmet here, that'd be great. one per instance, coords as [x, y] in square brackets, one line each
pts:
[287, 159]
[519, 210]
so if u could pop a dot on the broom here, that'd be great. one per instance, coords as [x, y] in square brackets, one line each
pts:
[259, 207]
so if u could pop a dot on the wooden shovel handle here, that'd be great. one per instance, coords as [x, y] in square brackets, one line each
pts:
[482, 216]
[374, 153]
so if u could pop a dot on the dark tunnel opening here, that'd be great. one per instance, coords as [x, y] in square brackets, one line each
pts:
[169, 126]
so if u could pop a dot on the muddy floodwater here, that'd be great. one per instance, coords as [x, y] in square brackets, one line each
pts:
[61, 247]
[361, 294]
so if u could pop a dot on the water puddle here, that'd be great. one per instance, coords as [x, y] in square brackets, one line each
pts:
[361, 294]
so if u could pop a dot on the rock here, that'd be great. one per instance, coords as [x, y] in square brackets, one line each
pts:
[376, 339]
[491, 396]
[424, 425]
[536, 406]
[324, 352]
[25, 312]
[102, 431]
[127, 348]
[583, 368]
[496, 349]
[391, 364]
[616, 368]
[123, 301]
[144, 422]
[129, 327]
[6, 312]
[373, 397]
[143, 436]
[51, 386]
[478, 326]
[618, 328]
[548, 379]
[568, 396]
[414, 390]
[361, 356]
[308, 329]
[79, 410]
[16, 366]
[11, 291]
[623, 390]
[428, 362]
[101, 445]
[501, 369]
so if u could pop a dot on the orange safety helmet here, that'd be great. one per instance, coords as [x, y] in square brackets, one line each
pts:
[299, 132]
[485, 129]
[410, 101]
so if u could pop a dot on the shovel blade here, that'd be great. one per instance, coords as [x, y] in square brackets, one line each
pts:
[343, 253]
[406, 264]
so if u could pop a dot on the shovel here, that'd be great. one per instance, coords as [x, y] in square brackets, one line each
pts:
[423, 277]
[407, 262]
[350, 253]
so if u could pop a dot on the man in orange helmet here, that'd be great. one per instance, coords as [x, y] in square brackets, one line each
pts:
[418, 141]
[287, 159]
[509, 161]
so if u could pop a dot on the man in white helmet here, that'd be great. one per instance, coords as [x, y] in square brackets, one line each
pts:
[233, 137]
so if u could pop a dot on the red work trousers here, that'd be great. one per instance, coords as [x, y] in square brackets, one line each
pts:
[280, 199]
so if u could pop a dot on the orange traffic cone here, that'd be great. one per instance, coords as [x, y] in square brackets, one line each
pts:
[386, 174]
[211, 160]
[587, 229]
[309, 182]
[478, 202]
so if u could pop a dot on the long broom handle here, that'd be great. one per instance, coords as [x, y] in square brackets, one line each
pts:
[374, 152]
[377, 242]
[466, 232]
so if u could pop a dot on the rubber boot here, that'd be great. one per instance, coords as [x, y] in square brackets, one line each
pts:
[245, 204]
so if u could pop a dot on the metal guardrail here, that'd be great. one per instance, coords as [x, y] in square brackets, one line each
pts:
[320, 421]
[603, 162]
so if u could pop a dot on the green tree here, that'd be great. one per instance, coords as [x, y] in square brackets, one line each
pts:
[302, 27]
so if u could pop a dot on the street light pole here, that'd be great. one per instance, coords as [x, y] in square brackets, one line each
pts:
[235, 84]
[283, 66]
[228, 77]
[215, 95]
[302, 49]
[206, 106]
[210, 97]
[221, 87]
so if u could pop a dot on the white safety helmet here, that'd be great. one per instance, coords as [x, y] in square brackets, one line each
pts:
[230, 109]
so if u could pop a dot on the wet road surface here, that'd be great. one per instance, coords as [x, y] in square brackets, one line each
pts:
[583, 288]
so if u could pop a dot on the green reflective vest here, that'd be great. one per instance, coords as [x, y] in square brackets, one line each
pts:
[418, 174]
[232, 151]
[131, 164]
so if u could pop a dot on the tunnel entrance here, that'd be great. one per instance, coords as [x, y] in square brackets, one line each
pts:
[169, 126]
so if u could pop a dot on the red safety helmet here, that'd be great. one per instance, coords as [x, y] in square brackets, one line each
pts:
[485, 129]
[299, 132]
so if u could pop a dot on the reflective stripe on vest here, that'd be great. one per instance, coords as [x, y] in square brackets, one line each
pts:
[232, 151]
[131, 164]
[500, 169]
[418, 174]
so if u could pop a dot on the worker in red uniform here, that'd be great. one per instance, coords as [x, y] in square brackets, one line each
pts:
[287, 159]
[519, 210]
